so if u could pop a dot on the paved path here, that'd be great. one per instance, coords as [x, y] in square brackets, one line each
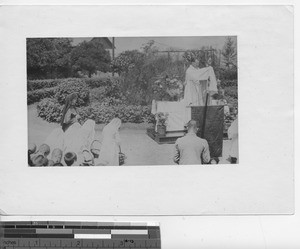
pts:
[139, 148]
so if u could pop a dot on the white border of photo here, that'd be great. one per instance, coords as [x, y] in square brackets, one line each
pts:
[262, 182]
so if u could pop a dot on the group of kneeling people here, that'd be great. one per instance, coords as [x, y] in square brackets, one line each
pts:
[42, 157]
[73, 144]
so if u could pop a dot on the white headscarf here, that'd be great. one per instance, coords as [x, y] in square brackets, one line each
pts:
[109, 153]
[116, 123]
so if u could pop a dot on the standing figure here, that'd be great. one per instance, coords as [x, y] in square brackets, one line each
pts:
[197, 84]
[192, 89]
[110, 148]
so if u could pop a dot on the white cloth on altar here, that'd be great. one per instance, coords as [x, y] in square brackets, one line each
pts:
[195, 91]
[177, 113]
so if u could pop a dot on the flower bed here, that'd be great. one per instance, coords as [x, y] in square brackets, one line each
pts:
[50, 110]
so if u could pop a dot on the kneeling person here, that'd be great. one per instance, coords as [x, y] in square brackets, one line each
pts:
[191, 149]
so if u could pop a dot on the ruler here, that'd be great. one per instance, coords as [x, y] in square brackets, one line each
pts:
[75, 235]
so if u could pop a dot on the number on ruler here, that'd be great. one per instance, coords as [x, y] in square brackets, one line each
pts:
[129, 241]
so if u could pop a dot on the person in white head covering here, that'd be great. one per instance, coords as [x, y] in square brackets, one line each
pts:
[110, 149]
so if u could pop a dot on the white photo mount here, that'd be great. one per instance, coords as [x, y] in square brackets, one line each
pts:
[262, 183]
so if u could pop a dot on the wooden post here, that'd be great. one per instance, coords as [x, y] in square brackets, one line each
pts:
[204, 117]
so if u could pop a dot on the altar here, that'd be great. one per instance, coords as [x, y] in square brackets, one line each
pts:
[209, 117]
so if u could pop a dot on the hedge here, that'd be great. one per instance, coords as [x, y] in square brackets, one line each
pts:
[127, 113]
[99, 87]
[68, 86]
[50, 110]
[90, 82]
[86, 95]
[37, 95]
[41, 84]
[98, 94]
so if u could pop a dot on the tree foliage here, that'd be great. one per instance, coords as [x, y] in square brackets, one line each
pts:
[48, 57]
[140, 83]
[90, 57]
[229, 54]
[126, 61]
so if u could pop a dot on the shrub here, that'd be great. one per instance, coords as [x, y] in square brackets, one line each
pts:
[50, 110]
[102, 81]
[111, 101]
[141, 81]
[98, 94]
[169, 89]
[37, 95]
[71, 85]
[231, 95]
[39, 84]
[128, 114]
[227, 74]
[102, 95]
[231, 92]
[113, 89]
[127, 60]
[97, 82]
[227, 83]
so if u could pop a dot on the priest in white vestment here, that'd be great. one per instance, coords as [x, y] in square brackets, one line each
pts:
[198, 82]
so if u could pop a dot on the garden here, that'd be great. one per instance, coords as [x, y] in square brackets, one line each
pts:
[135, 79]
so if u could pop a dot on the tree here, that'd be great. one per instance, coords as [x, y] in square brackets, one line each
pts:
[127, 60]
[48, 57]
[90, 57]
[149, 49]
[229, 54]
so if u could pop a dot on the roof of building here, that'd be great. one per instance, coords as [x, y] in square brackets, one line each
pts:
[105, 41]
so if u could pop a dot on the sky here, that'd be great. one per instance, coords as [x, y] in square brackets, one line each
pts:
[182, 43]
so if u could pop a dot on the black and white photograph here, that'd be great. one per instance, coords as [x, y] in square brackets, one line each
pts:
[192, 106]
[129, 101]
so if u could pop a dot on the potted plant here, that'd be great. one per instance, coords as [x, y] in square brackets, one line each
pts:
[161, 122]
